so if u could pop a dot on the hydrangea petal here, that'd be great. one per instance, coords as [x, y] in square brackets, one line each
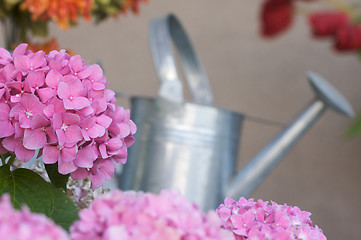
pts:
[22, 63]
[76, 87]
[37, 59]
[66, 168]
[84, 158]
[124, 129]
[96, 131]
[39, 121]
[114, 145]
[31, 102]
[57, 120]
[5, 56]
[6, 129]
[104, 120]
[53, 79]
[23, 154]
[20, 50]
[85, 135]
[69, 154]
[108, 167]
[63, 90]
[4, 111]
[98, 86]
[132, 126]
[36, 79]
[61, 137]
[97, 179]
[45, 94]
[73, 134]
[10, 143]
[80, 173]
[76, 63]
[34, 139]
[79, 103]
[50, 154]
[70, 118]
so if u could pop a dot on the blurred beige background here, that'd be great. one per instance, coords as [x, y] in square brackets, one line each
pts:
[263, 78]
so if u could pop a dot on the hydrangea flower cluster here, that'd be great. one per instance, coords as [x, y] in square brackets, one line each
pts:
[60, 105]
[248, 219]
[24, 225]
[131, 215]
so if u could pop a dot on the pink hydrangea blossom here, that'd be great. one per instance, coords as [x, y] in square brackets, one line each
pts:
[137, 215]
[60, 105]
[24, 225]
[248, 219]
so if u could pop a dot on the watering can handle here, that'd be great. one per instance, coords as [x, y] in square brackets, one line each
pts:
[162, 31]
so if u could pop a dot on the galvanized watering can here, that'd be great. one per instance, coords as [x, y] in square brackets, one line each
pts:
[192, 146]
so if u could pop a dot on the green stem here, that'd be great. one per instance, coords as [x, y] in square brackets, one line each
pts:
[2, 160]
[11, 160]
[344, 7]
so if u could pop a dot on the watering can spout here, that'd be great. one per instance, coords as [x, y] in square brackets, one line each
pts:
[261, 165]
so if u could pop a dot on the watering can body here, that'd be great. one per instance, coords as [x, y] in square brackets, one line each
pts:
[183, 146]
[192, 146]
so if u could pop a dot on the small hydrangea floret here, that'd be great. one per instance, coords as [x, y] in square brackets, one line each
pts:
[24, 225]
[137, 215]
[248, 219]
[58, 104]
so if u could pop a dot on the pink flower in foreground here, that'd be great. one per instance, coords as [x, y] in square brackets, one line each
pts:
[248, 219]
[24, 225]
[60, 105]
[131, 215]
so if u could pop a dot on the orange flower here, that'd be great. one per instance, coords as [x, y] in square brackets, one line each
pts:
[47, 47]
[37, 8]
[133, 5]
[63, 12]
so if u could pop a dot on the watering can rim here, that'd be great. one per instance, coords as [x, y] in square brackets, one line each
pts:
[187, 103]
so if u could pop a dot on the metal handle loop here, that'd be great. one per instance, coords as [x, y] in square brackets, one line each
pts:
[161, 32]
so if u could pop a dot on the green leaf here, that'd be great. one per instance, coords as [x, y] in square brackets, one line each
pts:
[57, 179]
[64, 212]
[27, 187]
[355, 127]
[12, 2]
